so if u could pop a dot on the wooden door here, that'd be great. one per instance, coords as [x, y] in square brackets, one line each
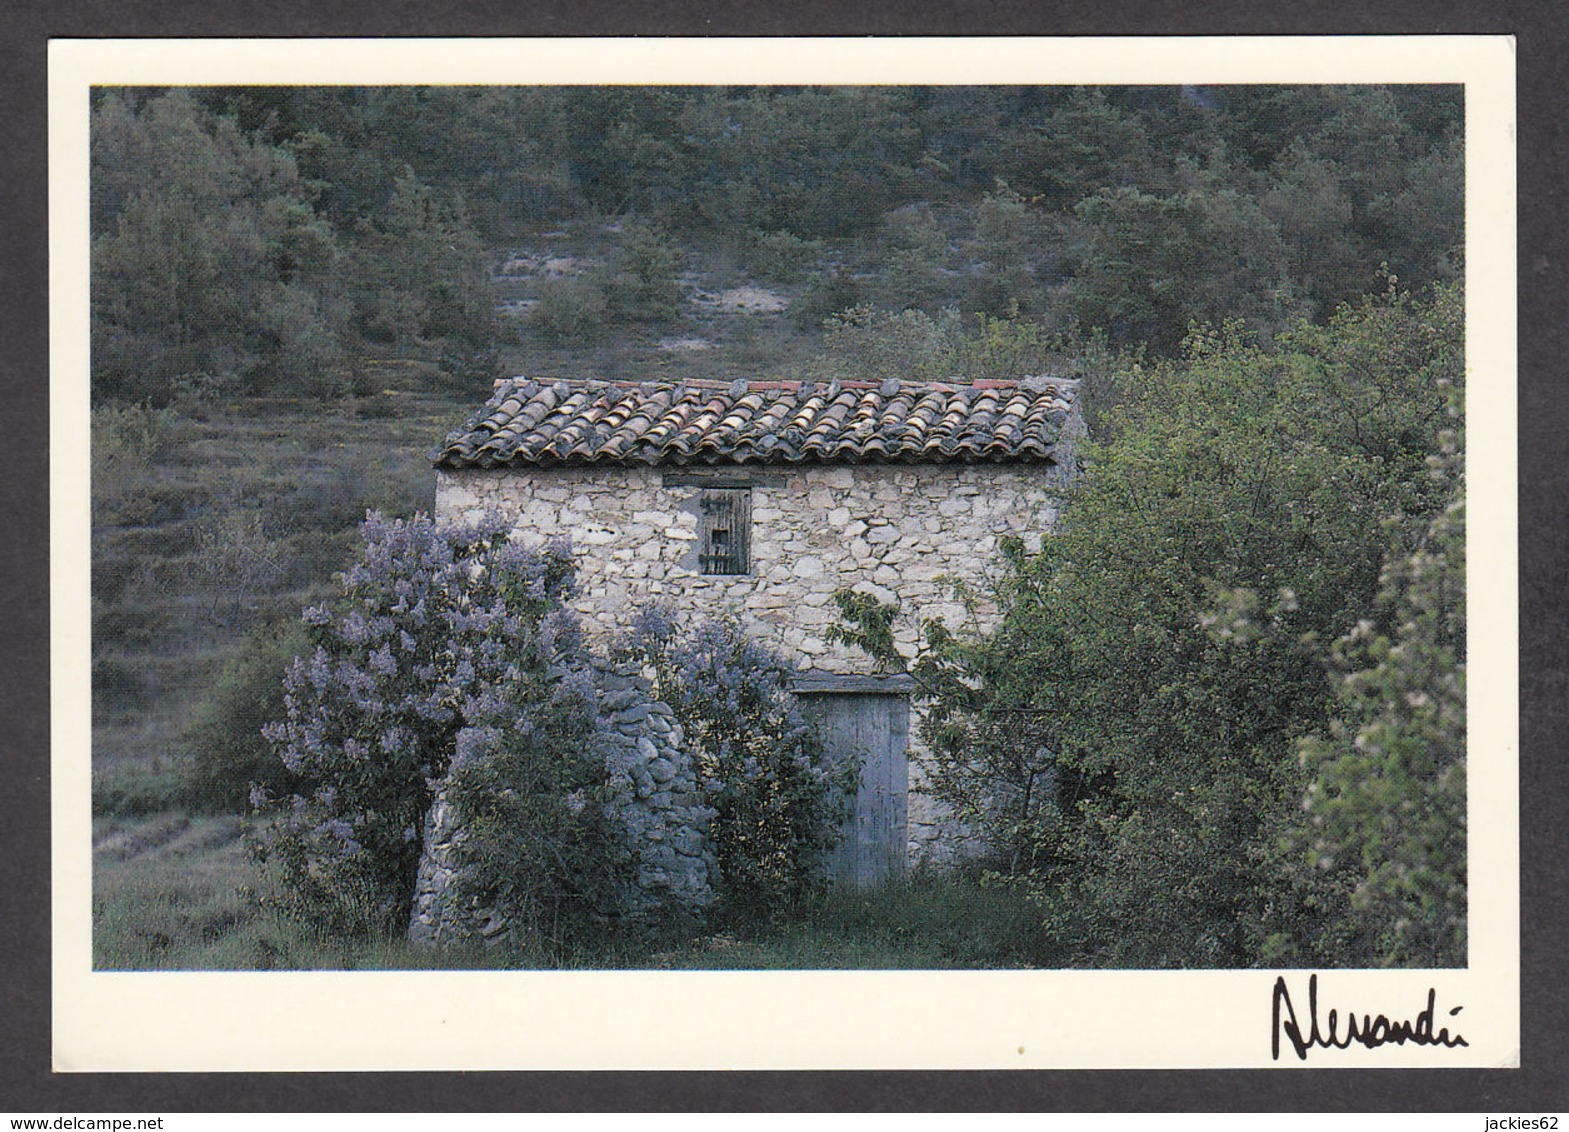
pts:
[875, 728]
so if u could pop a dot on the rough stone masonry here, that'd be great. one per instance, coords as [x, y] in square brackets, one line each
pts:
[654, 795]
[899, 532]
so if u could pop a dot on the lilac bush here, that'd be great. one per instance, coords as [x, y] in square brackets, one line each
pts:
[441, 648]
[761, 766]
[543, 848]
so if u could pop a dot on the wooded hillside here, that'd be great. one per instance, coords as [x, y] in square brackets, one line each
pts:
[263, 239]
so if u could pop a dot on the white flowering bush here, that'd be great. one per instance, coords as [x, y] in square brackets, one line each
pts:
[449, 653]
[1385, 809]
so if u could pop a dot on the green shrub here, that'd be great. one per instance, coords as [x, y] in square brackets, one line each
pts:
[238, 558]
[828, 293]
[542, 846]
[784, 257]
[869, 343]
[568, 308]
[865, 343]
[644, 282]
[136, 791]
[129, 436]
[228, 752]
[913, 249]
[126, 439]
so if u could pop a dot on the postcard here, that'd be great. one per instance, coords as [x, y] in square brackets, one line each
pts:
[804, 332]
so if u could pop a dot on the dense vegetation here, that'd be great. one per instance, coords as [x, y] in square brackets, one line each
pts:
[1222, 720]
[262, 238]
[777, 803]
[1150, 739]
[448, 653]
[450, 666]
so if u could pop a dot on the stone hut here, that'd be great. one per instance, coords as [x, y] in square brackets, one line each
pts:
[764, 498]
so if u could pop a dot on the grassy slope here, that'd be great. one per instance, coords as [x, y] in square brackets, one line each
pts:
[167, 615]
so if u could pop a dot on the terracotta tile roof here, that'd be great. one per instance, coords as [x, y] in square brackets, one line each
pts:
[760, 422]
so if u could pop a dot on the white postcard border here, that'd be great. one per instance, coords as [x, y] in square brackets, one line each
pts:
[792, 1020]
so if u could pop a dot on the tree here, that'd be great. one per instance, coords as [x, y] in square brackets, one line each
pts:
[1009, 239]
[989, 722]
[1385, 805]
[1307, 202]
[815, 162]
[1085, 146]
[644, 281]
[208, 257]
[1164, 653]
[420, 271]
[913, 248]
[1156, 265]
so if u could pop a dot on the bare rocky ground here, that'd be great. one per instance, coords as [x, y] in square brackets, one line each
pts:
[743, 300]
[729, 323]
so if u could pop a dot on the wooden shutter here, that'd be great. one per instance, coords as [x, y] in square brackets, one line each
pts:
[725, 530]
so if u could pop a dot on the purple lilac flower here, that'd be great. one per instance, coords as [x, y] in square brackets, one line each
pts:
[382, 663]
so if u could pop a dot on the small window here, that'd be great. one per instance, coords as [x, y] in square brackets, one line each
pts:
[725, 528]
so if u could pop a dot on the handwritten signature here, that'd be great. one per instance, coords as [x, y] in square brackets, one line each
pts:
[1368, 1030]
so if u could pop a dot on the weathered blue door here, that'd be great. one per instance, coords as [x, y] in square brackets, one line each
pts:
[875, 728]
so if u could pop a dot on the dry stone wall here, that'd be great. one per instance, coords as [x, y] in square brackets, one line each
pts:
[656, 792]
[655, 795]
[898, 532]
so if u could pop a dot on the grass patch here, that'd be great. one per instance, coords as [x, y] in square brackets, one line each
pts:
[175, 893]
[925, 923]
[136, 790]
[166, 889]
[172, 892]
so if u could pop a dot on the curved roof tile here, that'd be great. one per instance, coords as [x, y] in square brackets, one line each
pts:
[592, 422]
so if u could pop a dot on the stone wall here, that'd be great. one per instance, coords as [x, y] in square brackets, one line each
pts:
[654, 795]
[655, 791]
[893, 531]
